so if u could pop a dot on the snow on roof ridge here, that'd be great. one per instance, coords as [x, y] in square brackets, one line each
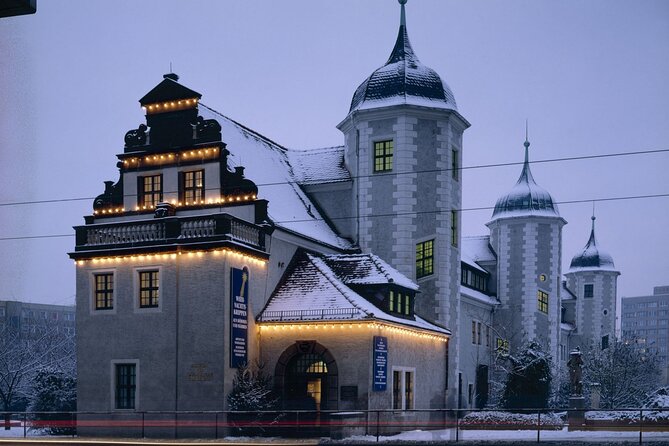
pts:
[243, 127]
[335, 281]
[317, 150]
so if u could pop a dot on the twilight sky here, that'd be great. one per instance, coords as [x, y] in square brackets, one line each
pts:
[591, 77]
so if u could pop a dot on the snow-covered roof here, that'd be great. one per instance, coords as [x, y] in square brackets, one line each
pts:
[567, 294]
[268, 165]
[366, 269]
[319, 166]
[592, 258]
[313, 290]
[476, 249]
[526, 198]
[478, 296]
[566, 326]
[403, 80]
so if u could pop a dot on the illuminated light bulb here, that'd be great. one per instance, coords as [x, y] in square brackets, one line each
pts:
[199, 152]
[192, 152]
[172, 104]
[95, 212]
[162, 157]
[238, 199]
[180, 204]
[174, 201]
[171, 155]
[173, 256]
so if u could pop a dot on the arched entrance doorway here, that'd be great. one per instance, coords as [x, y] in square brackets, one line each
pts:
[306, 377]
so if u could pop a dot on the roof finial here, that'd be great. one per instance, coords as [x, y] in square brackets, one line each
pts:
[527, 142]
[403, 17]
[593, 216]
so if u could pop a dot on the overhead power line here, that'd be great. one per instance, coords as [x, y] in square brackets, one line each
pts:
[376, 175]
[436, 211]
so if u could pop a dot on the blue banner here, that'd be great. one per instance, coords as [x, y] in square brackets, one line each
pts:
[380, 363]
[239, 323]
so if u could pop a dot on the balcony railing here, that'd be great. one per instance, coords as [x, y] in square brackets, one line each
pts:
[169, 230]
[310, 315]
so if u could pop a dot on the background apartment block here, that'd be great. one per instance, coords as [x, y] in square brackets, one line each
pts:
[646, 319]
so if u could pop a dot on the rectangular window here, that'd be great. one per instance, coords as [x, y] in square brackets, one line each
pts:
[398, 309]
[148, 289]
[470, 394]
[126, 386]
[502, 345]
[487, 335]
[104, 291]
[478, 333]
[383, 156]
[605, 342]
[408, 390]
[192, 187]
[542, 301]
[455, 169]
[473, 332]
[150, 191]
[588, 290]
[454, 228]
[403, 389]
[397, 389]
[407, 305]
[424, 258]
[392, 301]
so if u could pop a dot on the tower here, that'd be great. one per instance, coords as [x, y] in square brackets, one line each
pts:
[526, 235]
[593, 278]
[403, 147]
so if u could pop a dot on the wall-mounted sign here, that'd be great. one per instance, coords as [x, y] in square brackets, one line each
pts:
[239, 314]
[380, 363]
[200, 372]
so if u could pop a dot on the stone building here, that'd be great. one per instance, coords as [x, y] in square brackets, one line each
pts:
[342, 269]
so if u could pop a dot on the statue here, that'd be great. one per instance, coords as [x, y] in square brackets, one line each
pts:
[575, 372]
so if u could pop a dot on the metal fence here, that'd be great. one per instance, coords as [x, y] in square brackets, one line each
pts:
[435, 424]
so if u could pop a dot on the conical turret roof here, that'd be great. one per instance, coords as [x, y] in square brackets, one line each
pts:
[403, 80]
[526, 198]
[592, 257]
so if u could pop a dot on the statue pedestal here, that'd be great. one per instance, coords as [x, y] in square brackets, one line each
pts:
[576, 414]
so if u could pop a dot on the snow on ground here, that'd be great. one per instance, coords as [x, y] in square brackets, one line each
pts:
[528, 435]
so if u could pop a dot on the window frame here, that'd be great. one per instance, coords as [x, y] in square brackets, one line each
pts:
[543, 299]
[103, 298]
[454, 228]
[115, 364]
[425, 264]
[455, 164]
[142, 192]
[588, 290]
[383, 161]
[184, 189]
[407, 393]
[93, 310]
[137, 272]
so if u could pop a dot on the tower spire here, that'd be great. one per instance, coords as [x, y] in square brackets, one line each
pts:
[527, 143]
[403, 17]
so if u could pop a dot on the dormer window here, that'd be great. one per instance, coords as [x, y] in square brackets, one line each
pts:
[400, 303]
[150, 191]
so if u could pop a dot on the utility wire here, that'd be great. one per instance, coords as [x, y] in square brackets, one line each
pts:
[441, 211]
[375, 175]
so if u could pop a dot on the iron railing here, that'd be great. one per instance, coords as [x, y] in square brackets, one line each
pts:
[436, 425]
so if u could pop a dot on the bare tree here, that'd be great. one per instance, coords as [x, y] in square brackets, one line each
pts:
[626, 371]
[23, 352]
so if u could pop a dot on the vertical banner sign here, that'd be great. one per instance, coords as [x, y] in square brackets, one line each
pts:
[380, 363]
[239, 324]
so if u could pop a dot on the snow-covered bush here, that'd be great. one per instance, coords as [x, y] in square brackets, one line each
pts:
[509, 420]
[54, 396]
[528, 382]
[252, 392]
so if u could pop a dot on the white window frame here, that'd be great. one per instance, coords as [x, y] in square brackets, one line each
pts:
[403, 371]
[91, 299]
[136, 285]
[113, 364]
